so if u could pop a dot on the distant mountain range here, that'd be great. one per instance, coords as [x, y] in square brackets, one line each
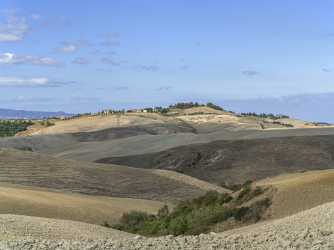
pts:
[24, 114]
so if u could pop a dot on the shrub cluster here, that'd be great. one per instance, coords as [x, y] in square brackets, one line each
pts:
[283, 124]
[214, 106]
[247, 193]
[160, 110]
[47, 123]
[186, 105]
[264, 115]
[194, 216]
[12, 127]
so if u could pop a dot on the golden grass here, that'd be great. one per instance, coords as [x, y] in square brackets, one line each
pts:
[46, 203]
[301, 191]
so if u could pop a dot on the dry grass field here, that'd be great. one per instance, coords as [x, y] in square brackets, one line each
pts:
[198, 118]
[300, 191]
[48, 203]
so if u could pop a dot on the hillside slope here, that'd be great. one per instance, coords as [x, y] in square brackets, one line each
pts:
[300, 191]
[311, 229]
[38, 170]
[18, 227]
[47, 203]
[237, 161]
[96, 123]
[91, 146]
[203, 119]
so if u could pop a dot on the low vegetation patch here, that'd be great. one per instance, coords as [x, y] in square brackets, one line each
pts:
[264, 115]
[235, 187]
[187, 105]
[159, 110]
[47, 123]
[247, 193]
[12, 127]
[196, 216]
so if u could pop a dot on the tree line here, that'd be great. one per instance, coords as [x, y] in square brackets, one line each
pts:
[12, 127]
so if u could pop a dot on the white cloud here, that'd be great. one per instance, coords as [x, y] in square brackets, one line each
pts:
[19, 82]
[10, 58]
[68, 48]
[81, 61]
[250, 72]
[152, 68]
[29, 82]
[36, 17]
[13, 29]
[73, 46]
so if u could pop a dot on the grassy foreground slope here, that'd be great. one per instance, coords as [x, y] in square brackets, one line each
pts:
[311, 229]
[18, 227]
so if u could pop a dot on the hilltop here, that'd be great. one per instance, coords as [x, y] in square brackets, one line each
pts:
[200, 118]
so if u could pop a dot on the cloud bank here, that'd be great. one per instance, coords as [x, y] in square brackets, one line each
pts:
[10, 58]
[13, 29]
[13, 81]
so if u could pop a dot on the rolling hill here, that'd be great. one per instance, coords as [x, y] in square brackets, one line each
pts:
[236, 161]
[297, 192]
[95, 168]
[18, 228]
[50, 203]
[38, 170]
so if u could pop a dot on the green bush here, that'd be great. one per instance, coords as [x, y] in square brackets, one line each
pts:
[247, 193]
[12, 127]
[186, 105]
[214, 106]
[240, 213]
[264, 115]
[47, 123]
[193, 216]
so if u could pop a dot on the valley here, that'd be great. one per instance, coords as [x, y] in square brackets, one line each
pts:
[86, 173]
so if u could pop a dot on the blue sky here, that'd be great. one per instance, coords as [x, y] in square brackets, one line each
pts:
[82, 56]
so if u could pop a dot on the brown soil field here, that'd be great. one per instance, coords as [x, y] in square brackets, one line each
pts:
[39, 170]
[236, 161]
